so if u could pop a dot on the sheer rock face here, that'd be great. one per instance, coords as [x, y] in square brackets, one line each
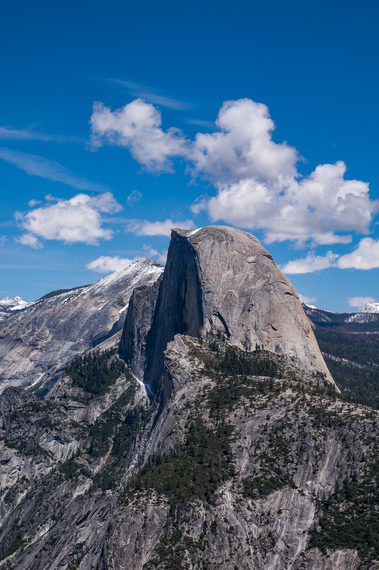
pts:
[137, 325]
[219, 279]
[37, 342]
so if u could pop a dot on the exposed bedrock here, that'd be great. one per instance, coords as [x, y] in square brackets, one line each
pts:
[137, 325]
[221, 280]
[37, 342]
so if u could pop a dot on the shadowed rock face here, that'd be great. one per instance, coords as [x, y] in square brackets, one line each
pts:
[137, 325]
[221, 280]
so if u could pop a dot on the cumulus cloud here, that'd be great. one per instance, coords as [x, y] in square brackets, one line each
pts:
[244, 148]
[365, 256]
[49, 169]
[307, 300]
[3, 239]
[145, 228]
[360, 302]
[259, 186]
[75, 220]
[310, 263]
[138, 127]
[107, 264]
[257, 180]
[312, 208]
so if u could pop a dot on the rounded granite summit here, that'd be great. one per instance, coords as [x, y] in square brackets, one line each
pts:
[221, 280]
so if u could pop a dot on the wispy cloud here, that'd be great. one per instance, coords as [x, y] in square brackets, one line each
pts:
[134, 197]
[108, 264]
[160, 256]
[146, 228]
[7, 133]
[36, 165]
[201, 123]
[152, 95]
[307, 300]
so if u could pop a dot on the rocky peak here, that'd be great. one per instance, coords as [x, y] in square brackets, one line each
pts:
[38, 341]
[221, 280]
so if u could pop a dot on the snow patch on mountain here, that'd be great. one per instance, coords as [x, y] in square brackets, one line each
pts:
[8, 305]
[370, 308]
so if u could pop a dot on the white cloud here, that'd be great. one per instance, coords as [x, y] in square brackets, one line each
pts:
[312, 208]
[29, 239]
[33, 202]
[244, 148]
[307, 300]
[259, 186]
[138, 127]
[49, 169]
[146, 228]
[359, 302]
[107, 264]
[75, 220]
[310, 263]
[160, 256]
[134, 197]
[257, 181]
[365, 256]
[3, 239]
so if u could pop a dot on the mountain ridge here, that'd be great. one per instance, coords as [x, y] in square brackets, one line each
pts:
[240, 459]
[39, 340]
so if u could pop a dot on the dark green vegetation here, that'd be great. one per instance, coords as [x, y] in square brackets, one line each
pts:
[192, 470]
[230, 360]
[247, 425]
[350, 517]
[351, 352]
[110, 436]
[113, 434]
[96, 371]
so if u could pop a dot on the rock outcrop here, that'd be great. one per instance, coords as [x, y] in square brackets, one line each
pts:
[248, 459]
[220, 280]
[137, 325]
[37, 342]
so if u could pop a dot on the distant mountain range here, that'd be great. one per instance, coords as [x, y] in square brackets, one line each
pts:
[350, 345]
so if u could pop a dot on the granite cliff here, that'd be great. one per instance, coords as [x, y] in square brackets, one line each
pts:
[220, 280]
[246, 456]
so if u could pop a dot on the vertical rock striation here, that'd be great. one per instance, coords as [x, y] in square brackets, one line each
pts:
[137, 325]
[221, 280]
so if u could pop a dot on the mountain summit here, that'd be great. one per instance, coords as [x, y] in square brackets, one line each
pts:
[221, 281]
[243, 458]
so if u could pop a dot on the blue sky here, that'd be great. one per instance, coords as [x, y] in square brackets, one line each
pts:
[119, 121]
